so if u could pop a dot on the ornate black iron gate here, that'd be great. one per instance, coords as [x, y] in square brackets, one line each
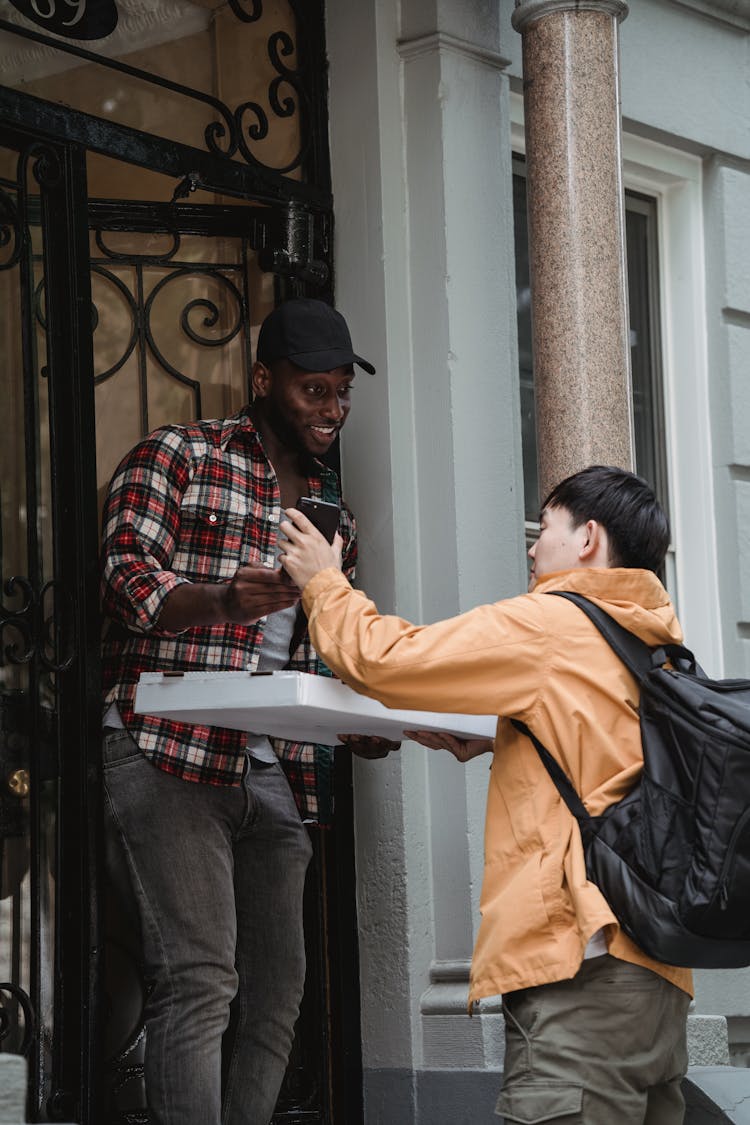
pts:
[55, 248]
[50, 630]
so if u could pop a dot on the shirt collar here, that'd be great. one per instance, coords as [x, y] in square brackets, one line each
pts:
[241, 425]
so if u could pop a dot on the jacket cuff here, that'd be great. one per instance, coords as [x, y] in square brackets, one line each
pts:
[321, 583]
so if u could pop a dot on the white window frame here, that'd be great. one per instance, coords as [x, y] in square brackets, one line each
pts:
[675, 180]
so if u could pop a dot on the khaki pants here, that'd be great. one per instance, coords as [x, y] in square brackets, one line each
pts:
[605, 1048]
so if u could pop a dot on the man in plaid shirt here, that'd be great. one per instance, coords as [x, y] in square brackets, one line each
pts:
[203, 819]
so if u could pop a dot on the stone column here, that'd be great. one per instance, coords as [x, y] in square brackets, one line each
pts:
[576, 234]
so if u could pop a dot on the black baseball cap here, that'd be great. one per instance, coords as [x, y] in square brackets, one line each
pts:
[311, 334]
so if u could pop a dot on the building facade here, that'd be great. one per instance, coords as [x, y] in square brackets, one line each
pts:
[426, 134]
[417, 229]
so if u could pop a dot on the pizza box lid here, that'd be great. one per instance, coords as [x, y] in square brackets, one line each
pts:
[296, 706]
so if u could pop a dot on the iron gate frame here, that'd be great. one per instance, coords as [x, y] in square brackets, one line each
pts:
[61, 174]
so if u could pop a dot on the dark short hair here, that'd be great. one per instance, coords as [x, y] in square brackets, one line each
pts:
[626, 507]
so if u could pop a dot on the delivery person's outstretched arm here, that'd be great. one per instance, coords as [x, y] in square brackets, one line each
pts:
[482, 662]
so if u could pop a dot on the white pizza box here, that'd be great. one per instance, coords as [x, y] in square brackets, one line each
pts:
[293, 705]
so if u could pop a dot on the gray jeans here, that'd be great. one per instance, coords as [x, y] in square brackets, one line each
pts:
[216, 874]
[605, 1048]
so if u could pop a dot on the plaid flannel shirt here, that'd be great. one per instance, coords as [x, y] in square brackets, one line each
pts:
[191, 504]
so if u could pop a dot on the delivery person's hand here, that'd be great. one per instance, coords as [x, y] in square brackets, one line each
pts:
[463, 749]
[306, 551]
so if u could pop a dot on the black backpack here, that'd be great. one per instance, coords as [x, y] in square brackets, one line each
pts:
[672, 858]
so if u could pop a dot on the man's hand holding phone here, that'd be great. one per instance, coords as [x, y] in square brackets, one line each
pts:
[308, 551]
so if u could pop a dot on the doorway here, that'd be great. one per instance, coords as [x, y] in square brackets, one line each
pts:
[134, 273]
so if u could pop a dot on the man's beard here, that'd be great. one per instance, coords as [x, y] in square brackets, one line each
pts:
[287, 434]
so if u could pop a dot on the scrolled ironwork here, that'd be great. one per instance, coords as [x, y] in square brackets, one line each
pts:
[38, 304]
[255, 13]
[280, 46]
[223, 137]
[46, 166]
[21, 620]
[280, 43]
[210, 320]
[107, 275]
[128, 256]
[6, 1022]
[257, 131]
[215, 132]
[48, 637]
[223, 128]
[261, 128]
[56, 639]
[38, 308]
[282, 107]
[11, 231]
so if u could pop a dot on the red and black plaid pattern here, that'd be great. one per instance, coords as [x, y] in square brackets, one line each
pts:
[191, 504]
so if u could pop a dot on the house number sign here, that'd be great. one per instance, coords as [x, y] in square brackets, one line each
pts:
[75, 19]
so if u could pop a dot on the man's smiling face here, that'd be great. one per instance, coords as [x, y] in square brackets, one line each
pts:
[307, 409]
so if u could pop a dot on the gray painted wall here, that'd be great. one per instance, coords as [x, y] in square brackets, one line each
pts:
[420, 105]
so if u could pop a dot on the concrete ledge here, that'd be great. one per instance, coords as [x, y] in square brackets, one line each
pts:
[714, 1095]
[717, 1095]
[431, 1097]
[12, 1089]
[13, 1073]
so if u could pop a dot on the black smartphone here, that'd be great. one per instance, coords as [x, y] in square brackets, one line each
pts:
[323, 514]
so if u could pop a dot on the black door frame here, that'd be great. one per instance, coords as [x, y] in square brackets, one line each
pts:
[323, 1082]
[66, 643]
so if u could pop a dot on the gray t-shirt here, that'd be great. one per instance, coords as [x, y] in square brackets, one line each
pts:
[274, 654]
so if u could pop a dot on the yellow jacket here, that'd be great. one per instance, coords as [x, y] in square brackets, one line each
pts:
[538, 659]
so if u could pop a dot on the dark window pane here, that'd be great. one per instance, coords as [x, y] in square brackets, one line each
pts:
[645, 342]
[525, 362]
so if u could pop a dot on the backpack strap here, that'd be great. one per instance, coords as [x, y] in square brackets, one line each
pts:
[638, 657]
[635, 654]
[564, 785]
